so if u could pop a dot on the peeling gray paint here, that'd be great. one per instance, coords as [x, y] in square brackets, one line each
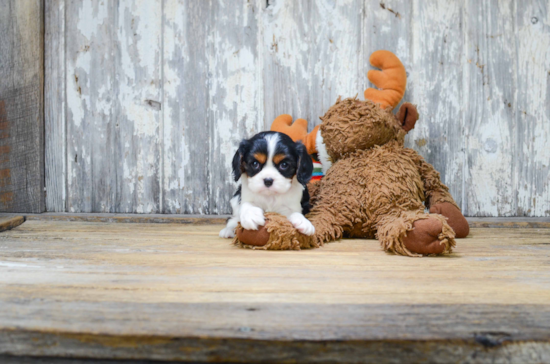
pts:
[149, 99]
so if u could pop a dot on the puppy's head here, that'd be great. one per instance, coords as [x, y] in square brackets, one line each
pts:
[271, 161]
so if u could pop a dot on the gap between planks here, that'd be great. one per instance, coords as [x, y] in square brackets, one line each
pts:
[475, 222]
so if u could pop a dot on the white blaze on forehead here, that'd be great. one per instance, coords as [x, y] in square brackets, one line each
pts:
[256, 184]
[272, 141]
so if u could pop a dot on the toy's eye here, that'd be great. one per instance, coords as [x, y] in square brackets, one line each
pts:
[255, 164]
[283, 165]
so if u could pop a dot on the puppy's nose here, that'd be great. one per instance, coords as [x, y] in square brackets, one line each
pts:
[268, 182]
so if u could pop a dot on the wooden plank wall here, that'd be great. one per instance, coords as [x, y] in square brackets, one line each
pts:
[146, 101]
[21, 106]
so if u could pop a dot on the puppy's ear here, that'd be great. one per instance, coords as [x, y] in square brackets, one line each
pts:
[305, 164]
[237, 163]
[237, 166]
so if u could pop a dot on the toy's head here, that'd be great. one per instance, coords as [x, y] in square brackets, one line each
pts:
[351, 124]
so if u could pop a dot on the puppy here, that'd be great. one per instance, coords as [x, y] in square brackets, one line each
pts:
[273, 172]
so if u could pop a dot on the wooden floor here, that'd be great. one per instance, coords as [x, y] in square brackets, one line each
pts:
[178, 292]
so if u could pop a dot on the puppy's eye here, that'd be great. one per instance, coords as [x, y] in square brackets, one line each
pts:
[255, 164]
[283, 165]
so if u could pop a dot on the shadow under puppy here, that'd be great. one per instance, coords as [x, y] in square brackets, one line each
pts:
[273, 171]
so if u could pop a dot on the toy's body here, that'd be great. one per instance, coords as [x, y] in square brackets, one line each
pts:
[382, 190]
[375, 187]
[377, 182]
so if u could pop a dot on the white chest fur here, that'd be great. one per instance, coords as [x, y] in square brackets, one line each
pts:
[282, 203]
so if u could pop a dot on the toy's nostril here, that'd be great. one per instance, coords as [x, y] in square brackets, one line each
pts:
[268, 182]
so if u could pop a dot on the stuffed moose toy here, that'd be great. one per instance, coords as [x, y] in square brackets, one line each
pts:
[373, 186]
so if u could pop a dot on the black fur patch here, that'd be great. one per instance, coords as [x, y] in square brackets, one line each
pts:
[296, 162]
[306, 206]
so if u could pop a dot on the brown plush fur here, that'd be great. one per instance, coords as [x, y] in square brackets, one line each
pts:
[375, 187]
[282, 236]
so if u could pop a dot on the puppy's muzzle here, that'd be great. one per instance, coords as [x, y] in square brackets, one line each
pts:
[268, 182]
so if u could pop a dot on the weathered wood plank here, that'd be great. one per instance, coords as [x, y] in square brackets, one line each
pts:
[137, 218]
[11, 222]
[388, 25]
[474, 340]
[91, 92]
[219, 72]
[337, 54]
[54, 106]
[138, 78]
[9, 359]
[181, 263]
[186, 126]
[490, 127]
[114, 106]
[436, 75]
[21, 106]
[287, 41]
[312, 54]
[475, 222]
[235, 104]
[126, 291]
[532, 108]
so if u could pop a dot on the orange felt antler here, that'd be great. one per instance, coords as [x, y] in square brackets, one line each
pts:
[391, 80]
[297, 131]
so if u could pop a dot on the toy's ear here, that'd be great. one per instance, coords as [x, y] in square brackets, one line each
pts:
[305, 164]
[407, 116]
[237, 163]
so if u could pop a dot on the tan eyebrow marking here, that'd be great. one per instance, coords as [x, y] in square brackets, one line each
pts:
[279, 157]
[260, 157]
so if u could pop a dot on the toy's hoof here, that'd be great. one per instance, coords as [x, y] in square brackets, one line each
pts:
[258, 237]
[423, 239]
[455, 219]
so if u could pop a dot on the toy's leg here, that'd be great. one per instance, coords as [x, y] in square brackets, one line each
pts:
[454, 218]
[439, 200]
[329, 223]
[330, 216]
[415, 233]
[278, 233]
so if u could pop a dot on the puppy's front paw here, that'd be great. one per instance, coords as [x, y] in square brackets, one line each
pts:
[227, 233]
[302, 224]
[252, 217]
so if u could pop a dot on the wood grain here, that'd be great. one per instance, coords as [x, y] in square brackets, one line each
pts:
[186, 126]
[91, 97]
[137, 218]
[474, 222]
[235, 91]
[388, 25]
[435, 79]
[137, 113]
[54, 108]
[155, 131]
[178, 292]
[490, 128]
[21, 106]
[532, 108]
[11, 222]
[312, 54]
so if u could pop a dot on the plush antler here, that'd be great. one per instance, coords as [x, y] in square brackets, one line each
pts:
[297, 131]
[391, 80]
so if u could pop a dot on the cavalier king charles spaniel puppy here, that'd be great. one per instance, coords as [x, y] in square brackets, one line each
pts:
[273, 172]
